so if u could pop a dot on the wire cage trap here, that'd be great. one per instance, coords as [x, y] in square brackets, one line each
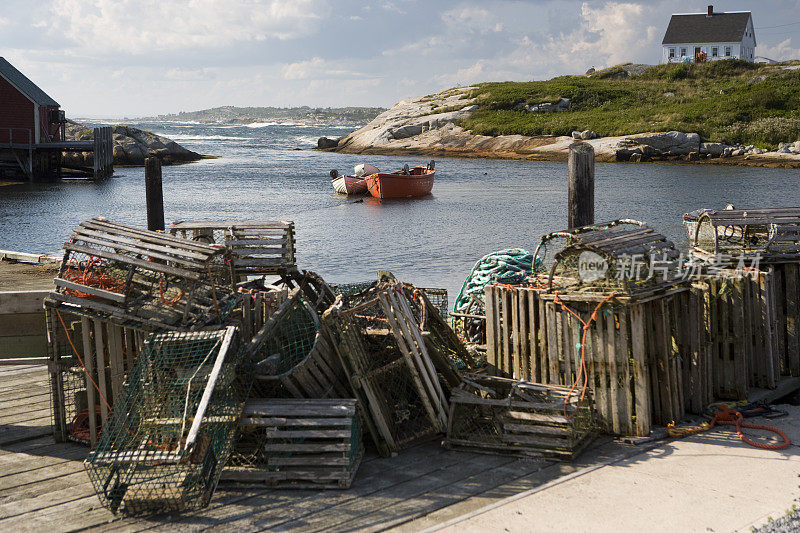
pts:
[144, 278]
[498, 415]
[297, 444]
[389, 367]
[173, 428]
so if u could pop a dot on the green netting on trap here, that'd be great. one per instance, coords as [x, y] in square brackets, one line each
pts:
[350, 289]
[173, 428]
[294, 357]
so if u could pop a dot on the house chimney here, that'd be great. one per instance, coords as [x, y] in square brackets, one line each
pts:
[710, 11]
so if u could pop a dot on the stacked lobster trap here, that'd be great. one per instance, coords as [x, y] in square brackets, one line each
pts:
[257, 248]
[615, 316]
[116, 284]
[751, 284]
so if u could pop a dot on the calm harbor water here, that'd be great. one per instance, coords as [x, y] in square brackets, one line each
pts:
[478, 206]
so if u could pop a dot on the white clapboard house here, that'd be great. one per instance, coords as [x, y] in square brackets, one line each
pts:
[709, 36]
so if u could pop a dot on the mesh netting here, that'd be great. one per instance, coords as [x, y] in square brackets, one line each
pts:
[499, 415]
[733, 240]
[173, 428]
[350, 289]
[288, 339]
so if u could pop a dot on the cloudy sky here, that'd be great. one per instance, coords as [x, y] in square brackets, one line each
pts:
[115, 58]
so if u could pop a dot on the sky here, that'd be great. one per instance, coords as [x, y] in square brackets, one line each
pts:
[129, 58]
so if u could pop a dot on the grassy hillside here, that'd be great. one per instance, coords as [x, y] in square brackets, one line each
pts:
[724, 101]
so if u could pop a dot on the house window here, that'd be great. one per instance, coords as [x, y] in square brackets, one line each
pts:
[683, 52]
[727, 51]
[714, 51]
[671, 53]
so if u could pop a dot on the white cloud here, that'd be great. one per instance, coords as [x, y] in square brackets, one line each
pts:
[471, 19]
[303, 69]
[150, 26]
[782, 51]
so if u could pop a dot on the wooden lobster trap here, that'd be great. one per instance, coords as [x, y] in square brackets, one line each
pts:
[257, 248]
[616, 315]
[89, 362]
[497, 415]
[142, 278]
[645, 360]
[295, 356]
[739, 316]
[390, 369]
[297, 444]
[763, 244]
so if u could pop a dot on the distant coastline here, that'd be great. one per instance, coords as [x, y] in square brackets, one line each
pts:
[273, 115]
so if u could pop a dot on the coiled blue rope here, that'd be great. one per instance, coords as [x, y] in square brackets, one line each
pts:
[506, 266]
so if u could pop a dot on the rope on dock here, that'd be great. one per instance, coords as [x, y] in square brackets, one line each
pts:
[505, 266]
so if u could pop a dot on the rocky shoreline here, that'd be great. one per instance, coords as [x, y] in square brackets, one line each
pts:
[428, 126]
[131, 147]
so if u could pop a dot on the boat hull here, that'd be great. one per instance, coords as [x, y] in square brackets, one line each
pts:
[349, 185]
[418, 183]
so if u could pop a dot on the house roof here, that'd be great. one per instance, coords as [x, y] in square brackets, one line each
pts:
[24, 85]
[700, 28]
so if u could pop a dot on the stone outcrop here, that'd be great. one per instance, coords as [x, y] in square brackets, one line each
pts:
[131, 146]
[429, 125]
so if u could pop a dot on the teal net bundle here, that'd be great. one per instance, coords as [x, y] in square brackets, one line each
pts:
[510, 266]
[173, 428]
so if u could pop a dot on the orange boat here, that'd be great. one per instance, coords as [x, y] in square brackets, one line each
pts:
[406, 183]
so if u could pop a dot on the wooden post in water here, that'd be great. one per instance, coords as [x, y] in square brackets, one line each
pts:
[154, 194]
[581, 185]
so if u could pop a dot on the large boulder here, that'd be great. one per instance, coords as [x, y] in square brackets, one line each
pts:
[131, 146]
[671, 143]
[324, 143]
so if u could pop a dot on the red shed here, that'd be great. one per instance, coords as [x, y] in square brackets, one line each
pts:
[26, 111]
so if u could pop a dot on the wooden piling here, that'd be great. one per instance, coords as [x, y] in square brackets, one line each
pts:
[581, 185]
[154, 194]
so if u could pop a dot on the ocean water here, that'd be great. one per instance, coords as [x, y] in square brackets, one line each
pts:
[269, 171]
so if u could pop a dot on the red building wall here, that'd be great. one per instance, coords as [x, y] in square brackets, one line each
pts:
[16, 111]
[52, 128]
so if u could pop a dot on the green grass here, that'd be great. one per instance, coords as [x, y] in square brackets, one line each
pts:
[712, 99]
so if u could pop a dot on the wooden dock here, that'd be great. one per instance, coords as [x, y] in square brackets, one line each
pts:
[44, 486]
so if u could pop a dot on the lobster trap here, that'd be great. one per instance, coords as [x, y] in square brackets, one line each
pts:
[726, 235]
[389, 367]
[741, 337]
[172, 430]
[257, 248]
[636, 261]
[89, 362]
[497, 415]
[752, 243]
[294, 355]
[144, 279]
[645, 360]
[297, 444]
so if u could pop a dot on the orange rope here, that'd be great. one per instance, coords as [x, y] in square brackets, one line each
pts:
[89, 276]
[730, 417]
[582, 373]
[75, 351]
[172, 301]
[80, 428]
